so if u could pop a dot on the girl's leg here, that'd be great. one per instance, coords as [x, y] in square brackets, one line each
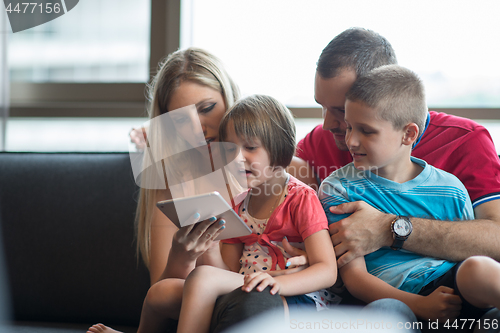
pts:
[478, 280]
[201, 289]
[163, 302]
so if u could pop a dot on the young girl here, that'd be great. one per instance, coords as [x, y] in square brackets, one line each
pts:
[277, 206]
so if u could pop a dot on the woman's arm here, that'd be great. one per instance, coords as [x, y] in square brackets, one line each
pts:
[441, 304]
[231, 255]
[321, 273]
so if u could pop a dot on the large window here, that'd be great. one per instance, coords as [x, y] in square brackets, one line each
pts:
[272, 47]
[97, 41]
[94, 61]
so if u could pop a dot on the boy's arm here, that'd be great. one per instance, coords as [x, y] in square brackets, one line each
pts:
[441, 304]
[368, 229]
[322, 270]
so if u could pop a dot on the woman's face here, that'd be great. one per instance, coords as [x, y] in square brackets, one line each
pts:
[210, 108]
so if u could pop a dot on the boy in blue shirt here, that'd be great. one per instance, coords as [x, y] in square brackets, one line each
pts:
[385, 113]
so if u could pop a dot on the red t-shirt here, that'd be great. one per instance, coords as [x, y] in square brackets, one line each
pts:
[297, 217]
[457, 145]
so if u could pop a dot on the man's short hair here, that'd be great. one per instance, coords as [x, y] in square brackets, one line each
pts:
[395, 92]
[356, 48]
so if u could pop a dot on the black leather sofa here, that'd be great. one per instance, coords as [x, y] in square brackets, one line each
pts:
[68, 238]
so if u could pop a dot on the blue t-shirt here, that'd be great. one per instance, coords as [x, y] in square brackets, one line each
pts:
[433, 194]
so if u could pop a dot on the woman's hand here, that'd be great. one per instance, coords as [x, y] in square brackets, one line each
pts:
[296, 263]
[197, 238]
[441, 304]
[138, 137]
[259, 281]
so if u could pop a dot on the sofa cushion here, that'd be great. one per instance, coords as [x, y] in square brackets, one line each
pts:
[67, 221]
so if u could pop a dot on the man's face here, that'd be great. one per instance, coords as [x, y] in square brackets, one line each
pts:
[330, 94]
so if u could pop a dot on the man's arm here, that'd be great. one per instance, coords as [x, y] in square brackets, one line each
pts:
[367, 230]
[457, 241]
[301, 170]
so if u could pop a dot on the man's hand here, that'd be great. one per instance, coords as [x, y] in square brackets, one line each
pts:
[363, 232]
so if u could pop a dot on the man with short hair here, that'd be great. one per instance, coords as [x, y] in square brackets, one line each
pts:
[456, 145]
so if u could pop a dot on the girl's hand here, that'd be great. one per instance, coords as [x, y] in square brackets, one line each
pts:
[296, 263]
[195, 239]
[260, 280]
[441, 304]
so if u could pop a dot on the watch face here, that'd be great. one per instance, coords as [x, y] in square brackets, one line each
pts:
[402, 227]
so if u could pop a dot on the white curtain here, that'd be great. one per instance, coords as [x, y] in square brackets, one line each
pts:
[4, 77]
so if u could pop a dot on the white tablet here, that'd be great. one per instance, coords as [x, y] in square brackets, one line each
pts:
[207, 205]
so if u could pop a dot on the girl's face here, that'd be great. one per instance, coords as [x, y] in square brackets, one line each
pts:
[210, 108]
[254, 161]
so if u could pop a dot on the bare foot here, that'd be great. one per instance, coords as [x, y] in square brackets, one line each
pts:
[100, 328]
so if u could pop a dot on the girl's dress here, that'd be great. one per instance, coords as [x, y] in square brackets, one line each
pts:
[298, 215]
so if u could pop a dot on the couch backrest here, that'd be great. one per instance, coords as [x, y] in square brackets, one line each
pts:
[67, 221]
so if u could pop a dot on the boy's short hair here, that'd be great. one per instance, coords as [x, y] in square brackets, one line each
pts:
[265, 118]
[396, 92]
[355, 48]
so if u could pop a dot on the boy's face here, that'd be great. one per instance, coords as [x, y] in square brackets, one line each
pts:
[372, 141]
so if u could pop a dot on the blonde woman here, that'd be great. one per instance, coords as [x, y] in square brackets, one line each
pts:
[187, 77]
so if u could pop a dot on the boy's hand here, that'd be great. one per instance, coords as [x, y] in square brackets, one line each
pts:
[441, 304]
[260, 281]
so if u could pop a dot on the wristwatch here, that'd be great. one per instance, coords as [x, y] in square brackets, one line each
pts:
[401, 229]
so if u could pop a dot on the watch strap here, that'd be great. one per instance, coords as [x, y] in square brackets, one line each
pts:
[397, 244]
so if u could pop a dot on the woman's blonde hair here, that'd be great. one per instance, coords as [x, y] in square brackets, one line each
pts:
[193, 65]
